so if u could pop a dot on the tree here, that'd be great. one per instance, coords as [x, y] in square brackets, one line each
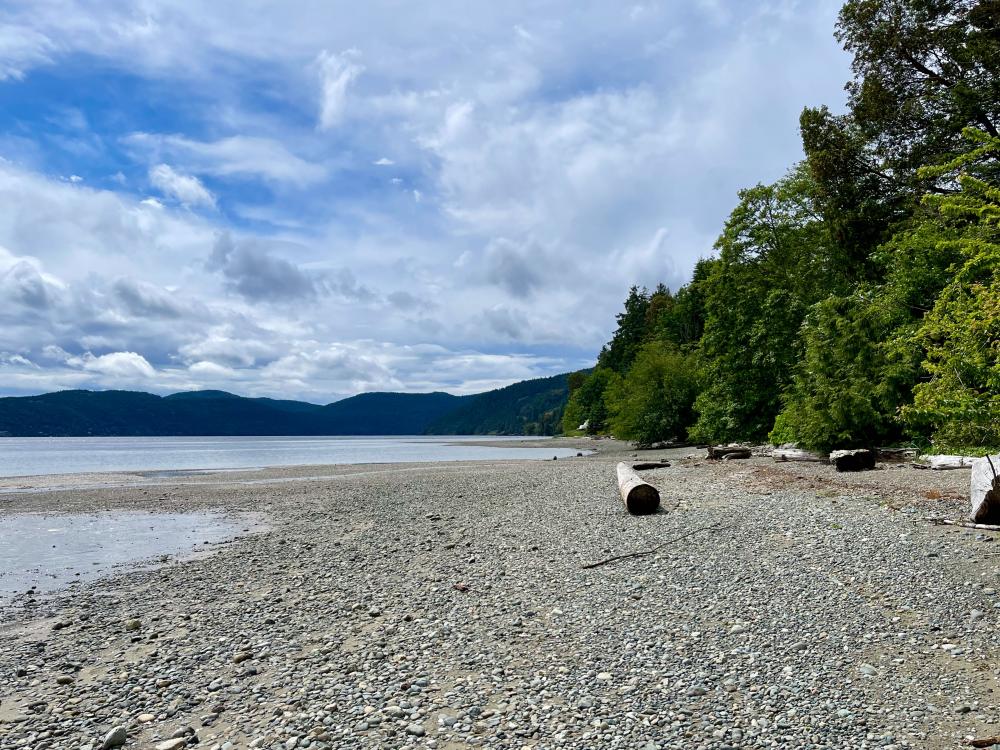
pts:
[924, 71]
[630, 334]
[655, 400]
[586, 403]
[960, 401]
[775, 260]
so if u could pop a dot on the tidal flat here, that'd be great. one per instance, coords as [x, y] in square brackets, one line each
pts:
[446, 606]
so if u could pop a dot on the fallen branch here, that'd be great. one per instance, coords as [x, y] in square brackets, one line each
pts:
[963, 524]
[657, 548]
[985, 741]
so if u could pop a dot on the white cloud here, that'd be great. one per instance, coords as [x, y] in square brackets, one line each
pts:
[336, 72]
[186, 189]
[116, 365]
[233, 157]
[481, 180]
[22, 48]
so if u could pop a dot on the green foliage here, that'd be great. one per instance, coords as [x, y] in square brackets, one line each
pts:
[960, 403]
[586, 403]
[924, 71]
[857, 300]
[617, 356]
[655, 400]
[775, 260]
[850, 381]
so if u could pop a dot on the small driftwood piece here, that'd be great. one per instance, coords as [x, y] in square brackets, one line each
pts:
[984, 741]
[651, 465]
[728, 452]
[796, 454]
[963, 524]
[640, 497]
[657, 548]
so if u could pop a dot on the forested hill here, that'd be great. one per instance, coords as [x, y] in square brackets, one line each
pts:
[856, 301]
[531, 407]
[130, 413]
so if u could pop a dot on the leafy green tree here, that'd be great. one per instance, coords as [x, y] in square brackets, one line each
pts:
[853, 377]
[960, 402]
[856, 198]
[655, 400]
[923, 71]
[775, 261]
[586, 403]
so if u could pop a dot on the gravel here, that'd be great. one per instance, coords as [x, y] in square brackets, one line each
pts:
[445, 606]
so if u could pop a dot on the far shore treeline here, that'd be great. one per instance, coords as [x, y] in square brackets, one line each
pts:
[855, 301]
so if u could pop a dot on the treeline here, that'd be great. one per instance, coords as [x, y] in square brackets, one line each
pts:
[856, 301]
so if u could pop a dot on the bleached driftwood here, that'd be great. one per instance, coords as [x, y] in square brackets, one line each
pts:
[946, 463]
[640, 497]
[796, 454]
[984, 490]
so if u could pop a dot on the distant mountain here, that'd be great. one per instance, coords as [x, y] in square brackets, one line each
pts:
[391, 413]
[523, 408]
[531, 407]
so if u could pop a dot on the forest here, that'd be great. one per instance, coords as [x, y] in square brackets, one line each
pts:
[855, 302]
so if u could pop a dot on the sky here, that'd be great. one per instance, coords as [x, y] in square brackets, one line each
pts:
[311, 200]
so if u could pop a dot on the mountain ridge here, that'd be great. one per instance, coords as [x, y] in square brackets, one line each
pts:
[526, 406]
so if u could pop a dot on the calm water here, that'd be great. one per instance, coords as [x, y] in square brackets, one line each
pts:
[33, 456]
[49, 552]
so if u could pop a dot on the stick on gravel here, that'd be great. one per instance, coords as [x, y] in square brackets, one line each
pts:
[657, 548]
[963, 524]
[640, 497]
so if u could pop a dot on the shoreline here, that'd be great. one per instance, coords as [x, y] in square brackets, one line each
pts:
[22, 482]
[445, 604]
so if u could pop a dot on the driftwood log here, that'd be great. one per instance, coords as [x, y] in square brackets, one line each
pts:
[984, 741]
[728, 452]
[946, 463]
[858, 459]
[648, 465]
[796, 454]
[640, 497]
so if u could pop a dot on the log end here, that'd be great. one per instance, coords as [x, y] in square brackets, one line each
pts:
[642, 500]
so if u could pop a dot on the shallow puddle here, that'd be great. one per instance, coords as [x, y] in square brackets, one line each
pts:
[52, 551]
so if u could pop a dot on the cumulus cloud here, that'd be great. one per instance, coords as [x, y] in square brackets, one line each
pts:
[145, 300]
[116, 365]
[257, 274]
[187, 189]
[550, 179]
[336, 72]
[515, 268]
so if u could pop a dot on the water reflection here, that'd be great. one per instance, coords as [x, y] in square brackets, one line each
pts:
[48, 551]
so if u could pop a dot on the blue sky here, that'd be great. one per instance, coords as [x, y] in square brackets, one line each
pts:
[312, 200]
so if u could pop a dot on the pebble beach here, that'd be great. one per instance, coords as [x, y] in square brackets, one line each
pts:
[448, 606]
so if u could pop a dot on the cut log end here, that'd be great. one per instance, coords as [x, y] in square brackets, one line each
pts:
[642, 500]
